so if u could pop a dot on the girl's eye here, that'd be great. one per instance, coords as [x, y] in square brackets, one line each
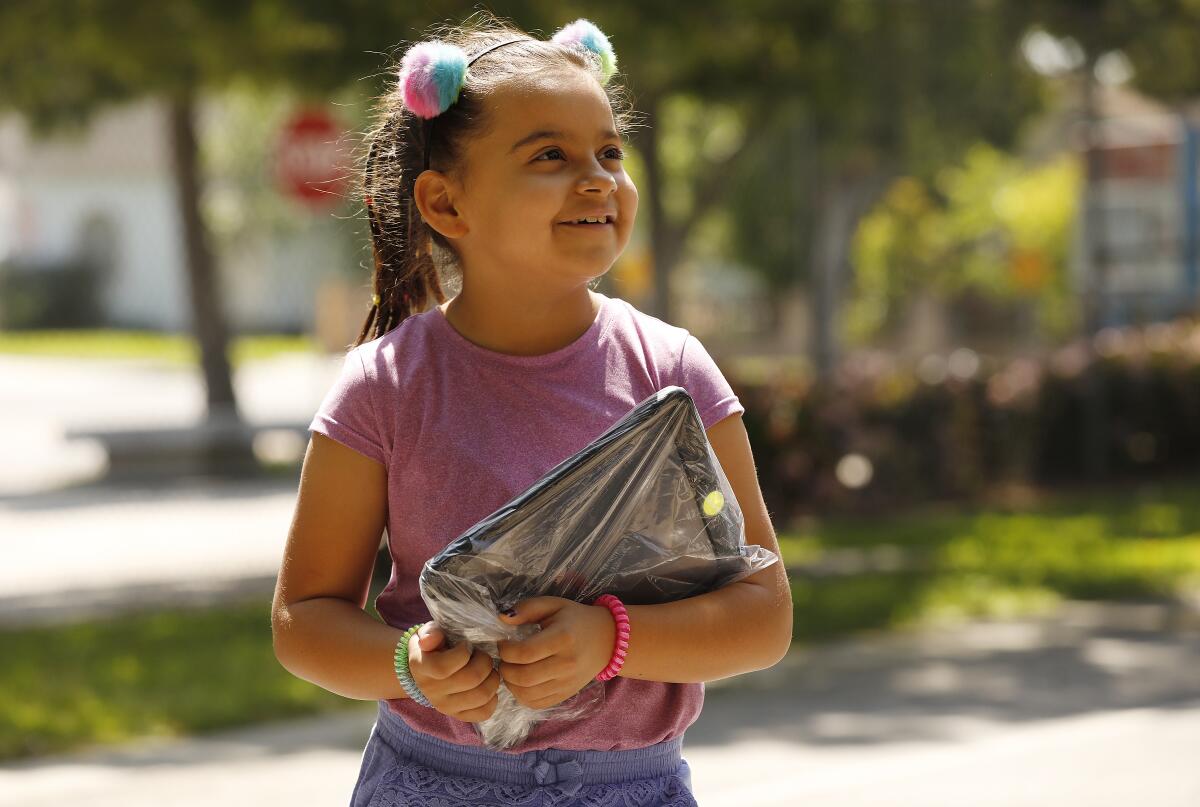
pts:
[618, 154]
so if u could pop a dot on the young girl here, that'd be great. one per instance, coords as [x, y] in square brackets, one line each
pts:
[491, 150]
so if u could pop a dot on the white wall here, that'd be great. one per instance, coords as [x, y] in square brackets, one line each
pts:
[119, 168]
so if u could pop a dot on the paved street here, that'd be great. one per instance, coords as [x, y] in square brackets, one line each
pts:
[1093, 707]
[71, 547]
[41, 397]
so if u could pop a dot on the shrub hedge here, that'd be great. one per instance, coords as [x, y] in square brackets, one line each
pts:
[1124, 404]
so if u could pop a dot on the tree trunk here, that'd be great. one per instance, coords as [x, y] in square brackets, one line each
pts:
[208, 319]
[843, 201]
[668, 240]
[1095, 434]
[661, 260]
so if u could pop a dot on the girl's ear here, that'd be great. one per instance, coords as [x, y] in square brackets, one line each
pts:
[434, 194]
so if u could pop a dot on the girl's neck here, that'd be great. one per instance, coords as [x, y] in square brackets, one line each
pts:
[525, 327]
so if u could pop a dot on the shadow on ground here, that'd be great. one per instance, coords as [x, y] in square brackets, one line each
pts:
[946, 684]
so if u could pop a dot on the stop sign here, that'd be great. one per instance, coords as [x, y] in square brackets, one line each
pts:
[311, 165]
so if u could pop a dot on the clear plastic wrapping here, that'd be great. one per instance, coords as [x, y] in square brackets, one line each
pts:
[643, 512]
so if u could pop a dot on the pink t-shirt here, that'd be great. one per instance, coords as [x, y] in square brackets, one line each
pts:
[462, 430]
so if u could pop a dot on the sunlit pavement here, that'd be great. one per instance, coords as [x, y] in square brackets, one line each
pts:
[42, 397]
[74, 548]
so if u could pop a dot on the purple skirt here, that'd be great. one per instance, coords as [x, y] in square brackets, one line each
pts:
[402, 767]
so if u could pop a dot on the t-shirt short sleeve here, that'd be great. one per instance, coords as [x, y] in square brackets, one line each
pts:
[704, 381]
[348, 414]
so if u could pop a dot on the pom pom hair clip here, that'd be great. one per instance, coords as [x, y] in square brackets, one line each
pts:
[432, 74]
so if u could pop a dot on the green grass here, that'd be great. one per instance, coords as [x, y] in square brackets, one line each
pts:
[173, 673]
[168, 673]
[1141, 543]
[174, 349]
[190, 671]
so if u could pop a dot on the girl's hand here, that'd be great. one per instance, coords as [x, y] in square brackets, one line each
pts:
[459, 681]
[574, 645]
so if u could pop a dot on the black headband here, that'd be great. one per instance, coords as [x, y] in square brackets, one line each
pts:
[429, 121]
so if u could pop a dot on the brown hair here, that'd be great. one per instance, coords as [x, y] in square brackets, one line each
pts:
[411, 259]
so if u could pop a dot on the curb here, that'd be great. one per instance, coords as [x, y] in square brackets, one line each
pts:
[74, 606]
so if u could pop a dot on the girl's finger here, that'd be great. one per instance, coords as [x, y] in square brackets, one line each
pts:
[531, 675]
[433, 659]
[457, 701]
[538, 692]
[480, 714]
[470, 676]
[540, 645]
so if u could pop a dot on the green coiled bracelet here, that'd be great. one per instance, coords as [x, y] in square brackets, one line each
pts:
[402, 671]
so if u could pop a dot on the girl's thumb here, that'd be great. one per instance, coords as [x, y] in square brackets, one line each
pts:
[430, 637]
[534, 609]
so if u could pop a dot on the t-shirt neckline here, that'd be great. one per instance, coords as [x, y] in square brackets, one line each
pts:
[590, 336]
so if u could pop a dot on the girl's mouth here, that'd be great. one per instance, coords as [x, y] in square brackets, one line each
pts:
[593, 222]
[596, 226]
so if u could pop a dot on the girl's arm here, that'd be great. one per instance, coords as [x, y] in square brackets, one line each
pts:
[320, 630]
[742, 627]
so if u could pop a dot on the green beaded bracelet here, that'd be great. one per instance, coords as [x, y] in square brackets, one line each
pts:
[402, 671]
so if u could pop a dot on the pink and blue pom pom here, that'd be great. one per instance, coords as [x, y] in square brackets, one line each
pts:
[583, 32]
[431, 76]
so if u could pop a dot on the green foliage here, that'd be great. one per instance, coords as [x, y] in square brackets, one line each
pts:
[60, 60]
[981, 423]
[870, 90]
[695, 133]
[167, 674]
[1160, 38]
[1136, 543]
[989, 224]
[176, 349]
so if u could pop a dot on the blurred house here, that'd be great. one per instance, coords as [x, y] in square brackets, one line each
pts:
[1142, 252]
[93, 217]
[1146, 211]
[1141, 255]
[94, 212]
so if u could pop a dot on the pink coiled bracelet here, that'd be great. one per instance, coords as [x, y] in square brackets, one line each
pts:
[621, 616]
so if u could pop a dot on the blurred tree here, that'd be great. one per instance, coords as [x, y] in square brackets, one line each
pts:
[61, 61]
[852, 92]
[874, 90]
[1161, 40]
[989, 224]
[706, 81]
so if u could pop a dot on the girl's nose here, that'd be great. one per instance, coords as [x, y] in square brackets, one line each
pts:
[598, 180]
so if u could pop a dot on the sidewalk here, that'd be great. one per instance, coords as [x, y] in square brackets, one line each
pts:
[95, 550]
[42, 396]
[75, 548]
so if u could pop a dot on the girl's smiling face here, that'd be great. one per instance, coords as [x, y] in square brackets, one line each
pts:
[551, 155]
